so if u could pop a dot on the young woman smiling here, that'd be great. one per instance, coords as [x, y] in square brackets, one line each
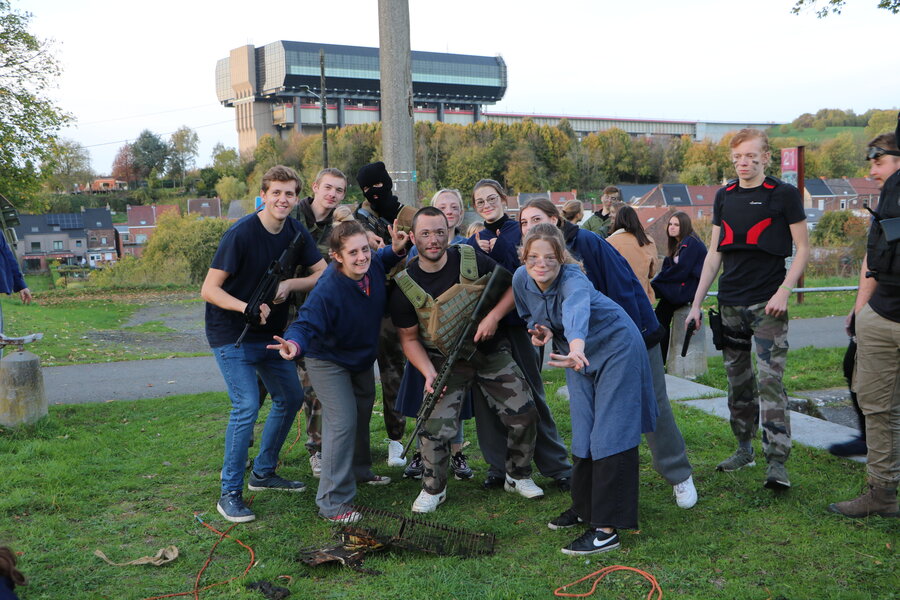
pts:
[337, 331]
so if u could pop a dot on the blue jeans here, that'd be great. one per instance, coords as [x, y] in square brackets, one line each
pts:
[239, 367]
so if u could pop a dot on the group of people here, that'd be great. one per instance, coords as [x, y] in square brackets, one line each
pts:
[396, 285]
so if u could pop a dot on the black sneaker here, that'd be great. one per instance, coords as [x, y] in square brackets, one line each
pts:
[564, 484]
[459, 464]
[415, 469]
[567, 519]
[493, 482]
[855, 447]
[258, 483]
[231, 506]
[592, 541]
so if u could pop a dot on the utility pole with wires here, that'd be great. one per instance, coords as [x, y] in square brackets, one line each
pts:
[324, 105]
[398, 149]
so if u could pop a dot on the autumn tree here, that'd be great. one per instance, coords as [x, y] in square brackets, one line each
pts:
[183, 150]
[68, 165]
[882, 121]
[123, 167]
[29, 120]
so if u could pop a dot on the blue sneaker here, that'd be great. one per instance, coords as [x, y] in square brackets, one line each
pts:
[231, 506]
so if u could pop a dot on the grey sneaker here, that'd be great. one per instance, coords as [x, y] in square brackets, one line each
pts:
[776, 476]
[315, 463]
[459, 465]
[231, 506]
[258, 483]
[740, 459]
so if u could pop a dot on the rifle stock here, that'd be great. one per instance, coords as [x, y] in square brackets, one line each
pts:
[498, 282]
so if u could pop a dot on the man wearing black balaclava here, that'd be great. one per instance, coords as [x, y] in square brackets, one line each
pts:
[380, 207]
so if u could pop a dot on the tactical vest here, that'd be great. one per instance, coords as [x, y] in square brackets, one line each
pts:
[882, 256]
[760, 226]
[442, 319]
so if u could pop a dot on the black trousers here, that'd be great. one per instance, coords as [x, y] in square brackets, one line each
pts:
[605, 491]
[665, 311]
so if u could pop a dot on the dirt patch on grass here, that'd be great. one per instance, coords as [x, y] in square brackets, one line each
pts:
[175, 311]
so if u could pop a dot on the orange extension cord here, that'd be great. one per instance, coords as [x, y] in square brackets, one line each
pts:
[603, 573]
[224, 534]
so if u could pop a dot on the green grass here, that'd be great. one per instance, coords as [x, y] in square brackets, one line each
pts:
[68, 325]
[150, 327]
[38, 283]
[128, 478]
[806, 369]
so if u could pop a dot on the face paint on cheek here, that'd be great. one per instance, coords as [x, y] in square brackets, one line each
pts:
[755, 162]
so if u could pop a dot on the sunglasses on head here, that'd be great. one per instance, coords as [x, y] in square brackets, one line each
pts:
[875, 153]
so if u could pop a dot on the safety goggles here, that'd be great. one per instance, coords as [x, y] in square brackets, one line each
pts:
[875, 153]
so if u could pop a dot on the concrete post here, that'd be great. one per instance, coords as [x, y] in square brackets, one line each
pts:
[22, 397]
[694, 363]
[398, 149]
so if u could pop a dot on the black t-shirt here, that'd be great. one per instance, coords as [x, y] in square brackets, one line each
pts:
[403, 314]
[886, 301]
[753, 276]
[245, 252]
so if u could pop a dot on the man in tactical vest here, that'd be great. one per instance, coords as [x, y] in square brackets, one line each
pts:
[755, 219]
[877, 310]
[433, 299]
[315, 212]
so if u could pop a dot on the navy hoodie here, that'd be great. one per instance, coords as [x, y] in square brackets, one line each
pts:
[339, 322]
[613, 277]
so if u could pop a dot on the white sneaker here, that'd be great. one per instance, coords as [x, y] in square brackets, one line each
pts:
[315, 463]
[427, 503]
[395, 449]
[379, 480]
[685, 493]
[524, 487]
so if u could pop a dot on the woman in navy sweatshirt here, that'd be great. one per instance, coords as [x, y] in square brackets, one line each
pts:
[676, 283]
[337, 331]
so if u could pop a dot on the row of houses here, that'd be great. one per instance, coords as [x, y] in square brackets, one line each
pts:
[90, 238]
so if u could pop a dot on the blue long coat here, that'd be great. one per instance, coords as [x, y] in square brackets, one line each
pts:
[611, 402]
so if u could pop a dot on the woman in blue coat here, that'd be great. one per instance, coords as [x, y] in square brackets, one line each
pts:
[608, 375]
[337, 331]
[676, 283]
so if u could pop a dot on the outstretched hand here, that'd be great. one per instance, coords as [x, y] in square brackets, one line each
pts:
[286, 349]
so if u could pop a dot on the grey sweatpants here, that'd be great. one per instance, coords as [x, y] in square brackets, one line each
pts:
[347, 398]
[666, 443]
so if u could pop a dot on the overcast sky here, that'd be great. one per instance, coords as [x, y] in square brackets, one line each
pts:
[134, 66]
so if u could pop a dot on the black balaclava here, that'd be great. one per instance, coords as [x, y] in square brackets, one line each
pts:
[368, 176]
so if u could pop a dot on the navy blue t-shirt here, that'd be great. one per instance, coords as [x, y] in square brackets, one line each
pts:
[245, 252]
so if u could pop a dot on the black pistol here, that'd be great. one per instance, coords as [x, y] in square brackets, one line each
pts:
[688, 334]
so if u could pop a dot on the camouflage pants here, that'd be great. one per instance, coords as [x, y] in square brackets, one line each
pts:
[504, 389]
[751, 401]
[391, 362]
[313, 410]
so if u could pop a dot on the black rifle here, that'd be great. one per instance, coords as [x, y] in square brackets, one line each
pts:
[282, 268]
[688, 334]
[463, 348]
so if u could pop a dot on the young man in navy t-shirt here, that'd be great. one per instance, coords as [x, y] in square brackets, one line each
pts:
[244, 254]
[756, 222]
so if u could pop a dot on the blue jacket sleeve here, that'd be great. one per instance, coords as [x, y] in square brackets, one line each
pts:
[13, 281]
[387, 258]
[690, 262]
[576, 307]
[311, 320]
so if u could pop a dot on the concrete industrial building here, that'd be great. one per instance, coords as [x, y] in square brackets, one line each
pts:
[275, 89]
